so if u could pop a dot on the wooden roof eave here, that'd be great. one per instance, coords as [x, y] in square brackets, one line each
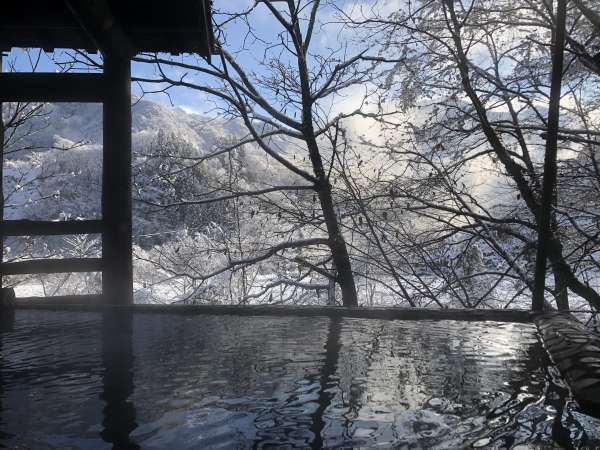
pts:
[181, 26]
[103, 29]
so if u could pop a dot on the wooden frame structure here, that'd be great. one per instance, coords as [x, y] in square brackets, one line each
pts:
[118, 29]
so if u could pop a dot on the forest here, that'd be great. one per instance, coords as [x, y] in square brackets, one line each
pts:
[374, 152]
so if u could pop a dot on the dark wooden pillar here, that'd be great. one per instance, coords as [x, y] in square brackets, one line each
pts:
[117, 276]
[1, 183]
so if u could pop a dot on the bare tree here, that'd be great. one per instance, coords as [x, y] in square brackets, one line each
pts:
[476, 76]
[286, 102]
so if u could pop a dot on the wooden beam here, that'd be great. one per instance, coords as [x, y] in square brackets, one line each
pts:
[379, 313]
[52, 87]
[76, 299]
[44, 228]
[117, 279]
[52, 266]
[99, 22]
[179, 26]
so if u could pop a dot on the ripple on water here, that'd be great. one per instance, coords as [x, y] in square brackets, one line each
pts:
[84, 380]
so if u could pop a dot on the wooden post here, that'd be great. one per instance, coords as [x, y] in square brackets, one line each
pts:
[117, 276]
[1, 182]
[549, 183]
[51, 87]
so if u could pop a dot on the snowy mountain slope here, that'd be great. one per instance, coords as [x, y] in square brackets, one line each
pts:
[46, 182]
[62, 123]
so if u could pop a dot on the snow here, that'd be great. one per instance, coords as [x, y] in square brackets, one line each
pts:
[58, 177]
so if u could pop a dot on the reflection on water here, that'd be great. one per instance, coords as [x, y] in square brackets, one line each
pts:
[7, 320]
[117, 379]
[87, 380]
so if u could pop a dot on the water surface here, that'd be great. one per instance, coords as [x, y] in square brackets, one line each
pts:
[91, 380]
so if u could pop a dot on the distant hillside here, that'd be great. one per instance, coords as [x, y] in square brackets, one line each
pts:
[64, 123]
[45, 182]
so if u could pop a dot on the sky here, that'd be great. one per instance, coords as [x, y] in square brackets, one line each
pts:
[267, 29]
[22, 60]
[251, 52]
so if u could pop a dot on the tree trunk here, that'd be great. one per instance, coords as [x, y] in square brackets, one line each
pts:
[337, 244]
[339, 251]
[560, 266]
[331, 291]
[545, 229]
[560, 292]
